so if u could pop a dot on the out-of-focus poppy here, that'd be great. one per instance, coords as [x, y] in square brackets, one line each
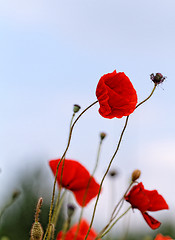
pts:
[76, 178]
[80, 235]
[161, 237]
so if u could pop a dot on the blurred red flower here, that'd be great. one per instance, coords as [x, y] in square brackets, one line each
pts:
[75, 178]
[116, 95]
[83, 229]
[146, 200]
[161, 237]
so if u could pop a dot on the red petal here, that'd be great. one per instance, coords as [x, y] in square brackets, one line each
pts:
[93, 190]
[83, 229]
[152, 222]
[116, 95]
[137, 198]
[75, 178]
[157, 202]
[161, 237]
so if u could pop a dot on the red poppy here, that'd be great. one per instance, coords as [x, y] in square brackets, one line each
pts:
[116, 95]
[76, 178]
[161, 237]
[146, 200]
[83, 229]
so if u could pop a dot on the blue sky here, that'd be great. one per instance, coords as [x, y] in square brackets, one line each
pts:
[52, 54]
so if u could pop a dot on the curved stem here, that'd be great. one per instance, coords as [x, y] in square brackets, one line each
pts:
[102, 235]
[155, 85]
[68, 144]
[87, 188]
[118, 145]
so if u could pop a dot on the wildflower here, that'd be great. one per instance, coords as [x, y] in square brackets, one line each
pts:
[76, 178]
[145, 200]
[116, 95]
[161, 237]
[83, 229]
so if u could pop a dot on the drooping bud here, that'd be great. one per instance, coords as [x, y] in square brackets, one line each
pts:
[36, 231]
[76, 108]
[135, 175]
[102, 135]
[70, 210]
[158, 78]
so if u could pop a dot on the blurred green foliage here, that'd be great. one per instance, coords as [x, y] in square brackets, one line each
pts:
[17, 219]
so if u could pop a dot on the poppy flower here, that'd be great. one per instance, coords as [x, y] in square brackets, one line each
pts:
[83, 229]
[116, 95]
[76, 178]
[161, 237]
[145, 200]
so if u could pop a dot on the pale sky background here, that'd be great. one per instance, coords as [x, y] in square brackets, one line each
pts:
[52, 54]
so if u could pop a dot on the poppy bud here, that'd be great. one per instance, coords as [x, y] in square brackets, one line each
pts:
[113, 173]
[102, 135]
[135, 175]
[70, 210]
[15, 194]
[76, 108]
[158, 78]
[36, 231]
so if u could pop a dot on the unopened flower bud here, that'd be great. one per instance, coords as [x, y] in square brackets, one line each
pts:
[113, 173]
[102, 135]
[158, 78]
[135, 175]
[70, 210]
[76, 108]
[15, 194]
[36, 231]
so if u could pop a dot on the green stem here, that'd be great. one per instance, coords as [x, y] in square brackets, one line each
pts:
[155, 85]
[57, 209]
[67, 147]
[85, 195]
[118, 145]
[114, 215]
[102, 235]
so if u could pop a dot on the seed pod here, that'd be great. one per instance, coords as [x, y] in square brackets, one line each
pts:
[36, 231]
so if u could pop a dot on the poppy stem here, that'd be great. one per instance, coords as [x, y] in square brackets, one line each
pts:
[118, 145]
[119, 204]
[63, 156]
[57, 209]
[121, 201]
[85, 195]
[155, 85]
[102, 235]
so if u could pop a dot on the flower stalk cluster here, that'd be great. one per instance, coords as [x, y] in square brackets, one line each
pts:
[117, 98]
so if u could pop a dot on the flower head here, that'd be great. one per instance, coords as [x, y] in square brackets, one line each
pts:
[161, 237]
[76, 178]
[145, 200]
[158, 78]
[116, 95]
[83, 229]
